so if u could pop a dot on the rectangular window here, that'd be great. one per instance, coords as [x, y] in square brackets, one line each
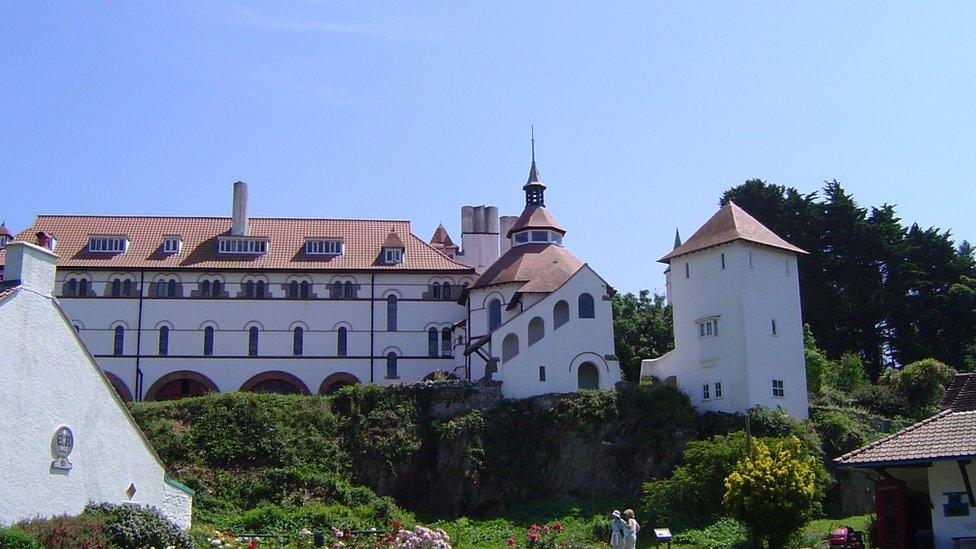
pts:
[393, 255]
[323, 247]
[707, 327]
[723, 260]
[172, 245]
[521, 238]
[540, 236]
[687, 271]
[231, 245]
[705, 392]
[750, 259]
[542, 373]
[109, 244]
[778, 390]
[773, 326]
[718, 389]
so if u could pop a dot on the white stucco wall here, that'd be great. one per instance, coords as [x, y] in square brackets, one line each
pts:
[944, 476]
[757, 285]
[48, 380]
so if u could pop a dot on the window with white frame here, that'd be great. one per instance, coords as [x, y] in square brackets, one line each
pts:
[706, 392]
[707, 327]
[235, 245]
[108, 244]
[172, 245]
[323, 246]
[718, 389]
[778, 389]
[393, 255]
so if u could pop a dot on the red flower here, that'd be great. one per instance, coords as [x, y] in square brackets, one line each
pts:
[511, 541]
[558, 527]
[397, 525]
[253, 544]
[545, 528]
[533, 536]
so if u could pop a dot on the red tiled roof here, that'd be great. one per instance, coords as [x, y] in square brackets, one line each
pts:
[393, 240]
[4, 231]
[535, 217]
[728, 224]
[542, 267]
[441, 238]
[362, 243]
[947, 435]
[960, 396]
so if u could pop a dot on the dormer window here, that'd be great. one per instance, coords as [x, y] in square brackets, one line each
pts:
[537, 236]
[242, 245]
[172, 244]
[323, 246]
[392, 256]
[108, 244]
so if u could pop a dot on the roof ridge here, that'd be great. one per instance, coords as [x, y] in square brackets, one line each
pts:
[892, 436]
[227, 217]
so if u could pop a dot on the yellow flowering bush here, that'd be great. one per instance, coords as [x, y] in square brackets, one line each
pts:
[772, 491]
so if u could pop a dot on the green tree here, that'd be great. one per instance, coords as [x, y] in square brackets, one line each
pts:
[850, 374]
[818, 366]
[921, 383]
[642, 328]
[773, 491]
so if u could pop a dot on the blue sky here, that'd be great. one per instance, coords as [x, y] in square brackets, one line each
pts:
[644, 112]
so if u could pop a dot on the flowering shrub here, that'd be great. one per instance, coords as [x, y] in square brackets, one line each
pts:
[541, 537]
[422, 538]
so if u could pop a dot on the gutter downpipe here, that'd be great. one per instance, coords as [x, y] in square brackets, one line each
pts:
[142, 280]
[372, 323]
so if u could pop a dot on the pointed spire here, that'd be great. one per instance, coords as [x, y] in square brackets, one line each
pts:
[534, 188]
[533, 170]
[677, 238]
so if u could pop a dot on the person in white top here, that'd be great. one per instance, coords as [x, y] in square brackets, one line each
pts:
[616, 530]
[630, 530]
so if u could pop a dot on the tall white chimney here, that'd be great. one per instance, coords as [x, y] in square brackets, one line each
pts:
[238, 225]
[32, 265]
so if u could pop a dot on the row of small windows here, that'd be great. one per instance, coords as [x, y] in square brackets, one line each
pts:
[537, 327]
[709, 327]
[253, 340]
[585, 306]
[537, 237]
[441, 290]
[231, 245]
[438, 346]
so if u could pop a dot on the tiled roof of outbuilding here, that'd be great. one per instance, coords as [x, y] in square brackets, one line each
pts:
[960, 396]
[362, 243]
[946, 435]
[542, 267]
[729, 224]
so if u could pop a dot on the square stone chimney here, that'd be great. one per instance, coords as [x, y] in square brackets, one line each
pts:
[32, 265]
[238, 226]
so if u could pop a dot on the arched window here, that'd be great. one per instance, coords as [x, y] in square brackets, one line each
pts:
[347, 290]
[305, 289]
[298, 341]
[249, 289]
[342, 342]
[252, 341]
[435, 291]
[537, 330]
[432, 342]
[208, 341]
[127, 288]
[494, 314]
[391, 365]
[336, 290]
[71, 288]
[293, 290]
[205, 288]
[83, 286]
[446, 290]
[391, 313]
[119, 344]
[446, 342]
[116, 287]
[216, 288]
[560, 314]
[586, 308]
[259, 289]
[510, 347]
[171, 288]
[588, 377]
[163, 340]
[160, 288]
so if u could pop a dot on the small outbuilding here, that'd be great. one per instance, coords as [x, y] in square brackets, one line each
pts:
[925, 475]
[67, 439]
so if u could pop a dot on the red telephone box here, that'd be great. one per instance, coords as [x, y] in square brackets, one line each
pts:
[891, 509]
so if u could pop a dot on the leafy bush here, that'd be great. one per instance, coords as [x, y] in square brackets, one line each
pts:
[881, 400]
[15, 538]
[820, 371]
[850, 373]
[67, 532]
[921, 383]
[773, 491]
[725, 533]
[135, 526]
[840, 432]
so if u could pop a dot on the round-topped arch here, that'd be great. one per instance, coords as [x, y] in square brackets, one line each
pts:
[275, 382]
[337, 381]
[180, 384]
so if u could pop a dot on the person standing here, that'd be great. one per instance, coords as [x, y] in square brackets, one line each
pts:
[616, 530]
[630, 530]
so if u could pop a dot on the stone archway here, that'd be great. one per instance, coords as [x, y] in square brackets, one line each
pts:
[120, 388]
[180, 384]
[275, 382]
[588, 376]
[337, 381]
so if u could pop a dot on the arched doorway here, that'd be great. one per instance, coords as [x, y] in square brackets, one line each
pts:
[281, 383]
[337, 381]
[182, 384]
[588, 376]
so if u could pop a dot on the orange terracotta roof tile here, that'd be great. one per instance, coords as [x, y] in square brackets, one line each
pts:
[441, 237]
[535, 217]
[393, 240]
[947, 435]
[362, 243]
[729, 224]
[541, 267]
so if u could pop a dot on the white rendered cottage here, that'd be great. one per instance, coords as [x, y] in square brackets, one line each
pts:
[66, 437]
[738, 332]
